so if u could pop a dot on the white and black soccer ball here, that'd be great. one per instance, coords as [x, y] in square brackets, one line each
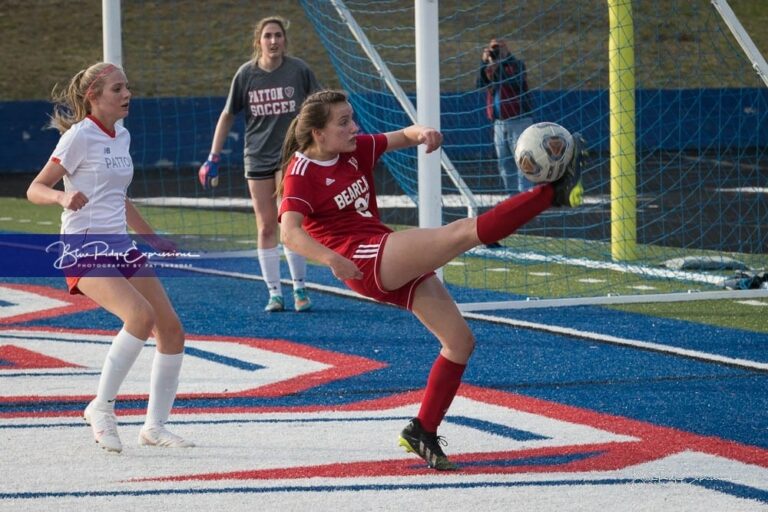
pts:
[543, 151]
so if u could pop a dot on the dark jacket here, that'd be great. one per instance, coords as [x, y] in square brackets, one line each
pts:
[510, 76]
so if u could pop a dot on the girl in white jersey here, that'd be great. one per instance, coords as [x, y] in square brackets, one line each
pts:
[93, 159]
[329, 214]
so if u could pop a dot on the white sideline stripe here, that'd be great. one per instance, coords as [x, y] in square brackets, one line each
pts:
[509, 254]
[614, 299]
[757, 303]
[254, 277]
[745, 190]
[656, 347]
[383, 201]
[614, 340]
[219, 255]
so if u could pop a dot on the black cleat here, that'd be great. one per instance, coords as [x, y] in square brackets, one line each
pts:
[427, 446]
[568, 188]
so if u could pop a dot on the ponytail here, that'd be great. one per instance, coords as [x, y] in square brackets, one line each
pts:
[69, 104]
[72, 104]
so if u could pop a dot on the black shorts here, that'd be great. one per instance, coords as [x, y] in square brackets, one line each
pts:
[252, 173]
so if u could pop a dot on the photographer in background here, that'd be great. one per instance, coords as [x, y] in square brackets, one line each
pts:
[508, 106]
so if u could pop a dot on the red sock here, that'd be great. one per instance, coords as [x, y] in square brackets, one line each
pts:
[504, 218]
[442, 384]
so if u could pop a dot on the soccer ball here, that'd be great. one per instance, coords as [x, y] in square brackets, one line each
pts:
[543, 151]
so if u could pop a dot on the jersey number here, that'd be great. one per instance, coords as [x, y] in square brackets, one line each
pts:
[361, 205]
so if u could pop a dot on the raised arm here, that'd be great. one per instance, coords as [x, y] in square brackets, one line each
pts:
[412, 136]
[299, 241]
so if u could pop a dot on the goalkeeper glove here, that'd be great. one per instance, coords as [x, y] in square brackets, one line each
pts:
[209, 171]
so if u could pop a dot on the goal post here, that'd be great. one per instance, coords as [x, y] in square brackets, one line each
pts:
[112, 32]
[621, 89]
[741, 35]
[428, 110]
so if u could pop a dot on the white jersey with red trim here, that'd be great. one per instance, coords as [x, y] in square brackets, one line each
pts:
[337, 197]
[98, 164]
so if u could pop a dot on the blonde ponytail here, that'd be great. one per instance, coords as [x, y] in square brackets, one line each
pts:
[72, 104]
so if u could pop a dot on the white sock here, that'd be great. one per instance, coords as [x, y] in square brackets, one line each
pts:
[122, 354]
[162, 388]
[269, 259]
[298, 266]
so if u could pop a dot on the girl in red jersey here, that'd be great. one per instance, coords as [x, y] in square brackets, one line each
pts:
[329, 214]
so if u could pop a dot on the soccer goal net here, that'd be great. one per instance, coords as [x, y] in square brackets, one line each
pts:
[675, 201]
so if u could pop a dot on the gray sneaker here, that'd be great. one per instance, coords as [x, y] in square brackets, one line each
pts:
[275, 304]
[301, 300]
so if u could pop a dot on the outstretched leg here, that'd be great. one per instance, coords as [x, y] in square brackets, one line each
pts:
[413, 252]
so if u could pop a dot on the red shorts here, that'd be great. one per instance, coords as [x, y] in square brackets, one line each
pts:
[366, 254]
[105, 266]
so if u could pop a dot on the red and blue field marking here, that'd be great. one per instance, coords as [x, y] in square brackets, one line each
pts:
[305, 408]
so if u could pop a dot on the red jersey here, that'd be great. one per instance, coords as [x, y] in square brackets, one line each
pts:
[337, 197]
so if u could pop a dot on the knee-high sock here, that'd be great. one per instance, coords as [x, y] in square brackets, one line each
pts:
[162, 387]
[123, 351]
[298, 267]
[506, 217]
[442, 385]
[269, 260]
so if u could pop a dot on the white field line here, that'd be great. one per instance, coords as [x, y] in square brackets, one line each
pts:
[383, 201]
[642, 270]
[614, 340]
[565, 331]
[615, 299]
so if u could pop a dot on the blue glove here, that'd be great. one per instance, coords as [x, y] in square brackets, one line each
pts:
[209, 171]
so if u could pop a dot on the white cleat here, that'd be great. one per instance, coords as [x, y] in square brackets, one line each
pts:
[104, 426]
[159, 436]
